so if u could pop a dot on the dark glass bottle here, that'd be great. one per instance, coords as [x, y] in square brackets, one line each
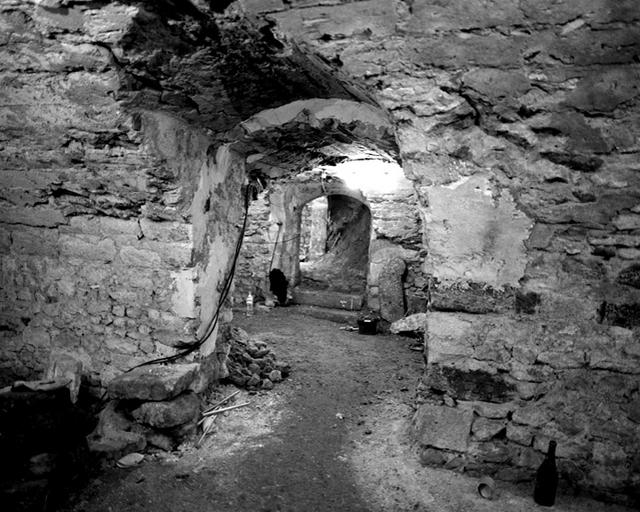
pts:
[544, 492]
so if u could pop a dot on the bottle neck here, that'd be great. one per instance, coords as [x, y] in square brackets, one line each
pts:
[551, 453]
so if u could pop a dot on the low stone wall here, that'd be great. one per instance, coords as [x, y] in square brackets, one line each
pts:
[497, 388]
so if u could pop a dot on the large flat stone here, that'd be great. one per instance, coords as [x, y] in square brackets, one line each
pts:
[170, 413]
[153, 382]
[442, 427]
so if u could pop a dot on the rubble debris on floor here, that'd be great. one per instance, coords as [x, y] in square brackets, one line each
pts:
[251, 364]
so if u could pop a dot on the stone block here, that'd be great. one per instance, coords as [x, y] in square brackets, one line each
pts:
[627, 222]
[375, 17]
[165, 231]
[432, 457]
[488, 409]
[414, 323]
[561, 360]
[442, 427]
[114, 434]
[167, 414]
[172, 337]
[528, 458]
[493, 452]
[82, 224]
[162, 441]
[605, 91]
[519, 434]
[153, 382]
[139, 257]
[450, 50]
[450, 337]
[495, 84]
[174, 254]
[609, 454]
[87, 247]
[428, 16]
[470, 297]
[42, 242]
[485, 429]
[116, 226]
[38, 216]
[37, 337]
[534, 415]
[121, 345]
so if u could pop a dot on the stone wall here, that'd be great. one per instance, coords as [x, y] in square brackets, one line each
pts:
[509, 384]
[101, 161]
[517, 122]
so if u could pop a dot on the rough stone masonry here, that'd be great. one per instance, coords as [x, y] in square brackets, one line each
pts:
[125, 146]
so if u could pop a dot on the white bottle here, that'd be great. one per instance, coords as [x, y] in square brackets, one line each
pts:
[249, 304]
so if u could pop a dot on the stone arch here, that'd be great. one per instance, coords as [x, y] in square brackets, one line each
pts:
[329, 134]
[286, 209]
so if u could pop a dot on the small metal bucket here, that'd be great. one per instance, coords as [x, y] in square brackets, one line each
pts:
[368, 325]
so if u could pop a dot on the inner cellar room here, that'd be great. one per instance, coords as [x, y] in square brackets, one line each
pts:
[320, 255]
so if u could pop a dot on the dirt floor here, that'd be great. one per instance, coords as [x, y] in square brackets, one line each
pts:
[332, 437]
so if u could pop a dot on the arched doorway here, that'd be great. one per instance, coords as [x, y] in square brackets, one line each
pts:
[334, 244]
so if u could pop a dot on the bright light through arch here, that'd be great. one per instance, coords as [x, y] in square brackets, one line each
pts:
[370, 176]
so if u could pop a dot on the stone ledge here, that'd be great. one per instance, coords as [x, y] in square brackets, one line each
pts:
[153, 383]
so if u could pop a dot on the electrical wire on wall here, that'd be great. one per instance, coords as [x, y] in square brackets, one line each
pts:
[187, 348]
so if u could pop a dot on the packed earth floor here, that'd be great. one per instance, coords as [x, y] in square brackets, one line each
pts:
[331, 437]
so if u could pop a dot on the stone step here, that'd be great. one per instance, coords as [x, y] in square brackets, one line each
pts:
[327, 299]
[339, 316]
[153, 383]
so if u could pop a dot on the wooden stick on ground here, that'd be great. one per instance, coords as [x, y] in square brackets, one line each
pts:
[208, 427]
[221, 402]
[209, 413]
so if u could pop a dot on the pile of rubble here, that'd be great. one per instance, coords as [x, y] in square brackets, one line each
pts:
[250, 363]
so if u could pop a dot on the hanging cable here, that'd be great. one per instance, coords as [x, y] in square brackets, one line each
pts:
[275, 245]
[187, 348]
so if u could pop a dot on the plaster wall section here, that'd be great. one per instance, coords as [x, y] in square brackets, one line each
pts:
[217, 215]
